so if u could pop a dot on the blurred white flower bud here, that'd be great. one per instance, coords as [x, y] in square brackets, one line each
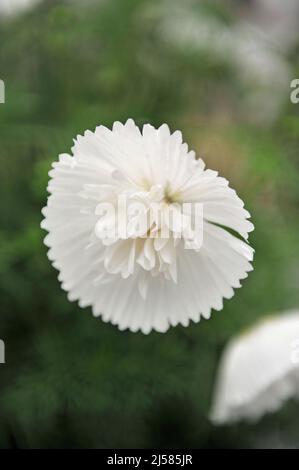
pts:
[259, 370]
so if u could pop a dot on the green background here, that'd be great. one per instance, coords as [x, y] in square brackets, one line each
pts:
[69, 379]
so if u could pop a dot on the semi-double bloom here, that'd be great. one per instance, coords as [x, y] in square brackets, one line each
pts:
[159, 270]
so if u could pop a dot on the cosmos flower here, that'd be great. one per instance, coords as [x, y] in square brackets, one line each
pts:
[144, 277]
[259, 370]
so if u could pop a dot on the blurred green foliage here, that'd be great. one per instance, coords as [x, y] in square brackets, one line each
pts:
[71, 380]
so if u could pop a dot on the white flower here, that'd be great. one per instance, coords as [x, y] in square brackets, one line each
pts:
[11, 7]
[259, 370]
[150, 281]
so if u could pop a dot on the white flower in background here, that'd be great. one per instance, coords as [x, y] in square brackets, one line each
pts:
[259, 371]
[143, 282]
[258, 44]
[13, 7]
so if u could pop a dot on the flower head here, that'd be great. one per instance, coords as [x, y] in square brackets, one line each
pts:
[137, 228]
[259, 370]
